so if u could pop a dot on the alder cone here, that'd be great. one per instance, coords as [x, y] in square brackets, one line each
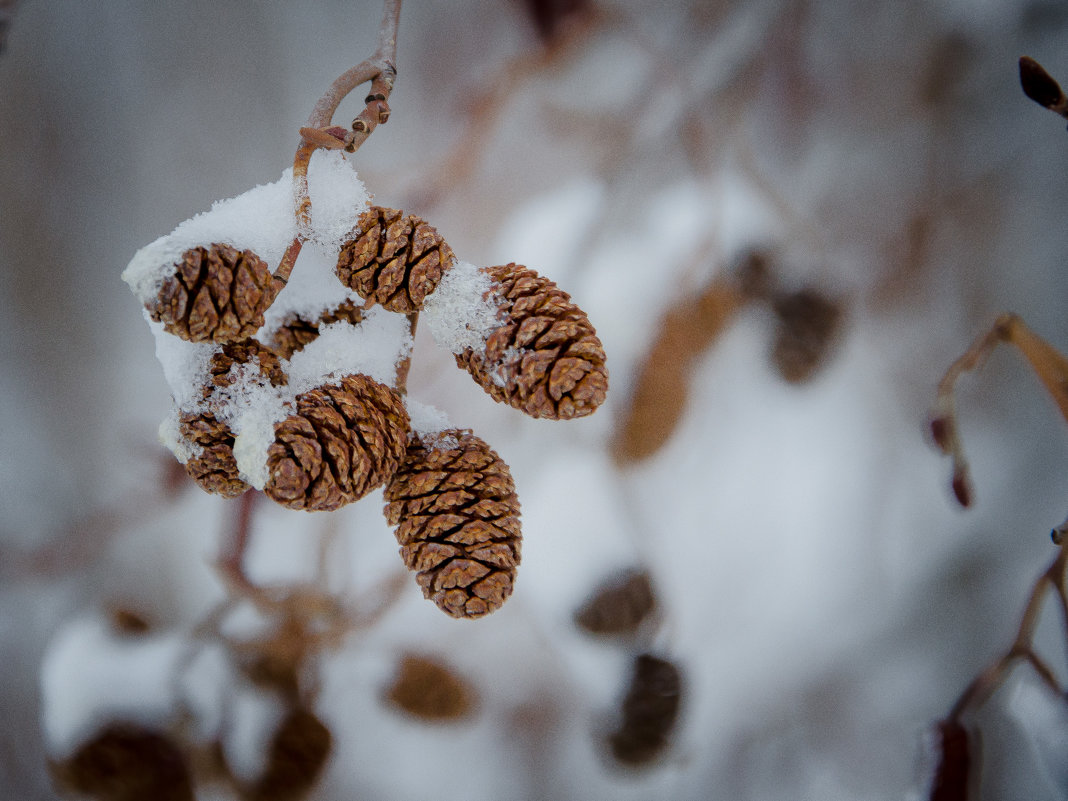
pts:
[546, 359]
[427, 689]
[296, 333]
[343, 441]
[214, 469]
[295, 760]
[217, 294]
[619, 606]
[457, 518]
[127, 762]
[237, 354]
[650, 710]
[808, 325]
[394, 260]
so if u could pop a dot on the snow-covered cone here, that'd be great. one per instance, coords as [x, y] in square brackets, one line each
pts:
[124, 762]
[343, 441]
[213, 466]
[457, 516]
[296, 332]
[545, 358]
[215, 294]
[295, 759]
[393, 259]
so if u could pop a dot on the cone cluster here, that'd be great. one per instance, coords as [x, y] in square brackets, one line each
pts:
[450, 496]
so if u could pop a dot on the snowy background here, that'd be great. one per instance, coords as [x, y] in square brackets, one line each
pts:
[821, 594]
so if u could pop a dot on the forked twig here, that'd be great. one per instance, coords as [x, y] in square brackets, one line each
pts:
[1049, 365]
[381, 70]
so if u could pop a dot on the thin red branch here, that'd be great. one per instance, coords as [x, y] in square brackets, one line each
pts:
[984, 685]
[381, 70]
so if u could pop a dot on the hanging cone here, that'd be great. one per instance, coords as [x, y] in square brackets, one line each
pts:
[214, 468]
[545, 359]
[344, 440]
[457, 518]
[216, 294]
[393, 260]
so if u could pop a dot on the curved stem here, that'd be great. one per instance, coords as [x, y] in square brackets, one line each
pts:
[381, 70]
[401, 382]
[232, 560]
[984, 685]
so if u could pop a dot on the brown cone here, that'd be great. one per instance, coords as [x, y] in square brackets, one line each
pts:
[236, 354]
[546, 359]
[217, 294]
[127, 762]
[296, 333]
[344, 440]
[809, 322]
[215, 468]
[295, 759]
[650, 711]
[458, 518]
[393, 260]
[428, 689]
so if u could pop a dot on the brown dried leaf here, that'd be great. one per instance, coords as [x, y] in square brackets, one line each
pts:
[658, 400]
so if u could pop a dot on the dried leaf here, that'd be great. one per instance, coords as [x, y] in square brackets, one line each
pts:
[660, 391]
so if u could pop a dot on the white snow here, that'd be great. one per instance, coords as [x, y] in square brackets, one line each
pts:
[374, 348]
[430, 424]
[338, 198]
[91, 676]
[260, 220]
[463, 310]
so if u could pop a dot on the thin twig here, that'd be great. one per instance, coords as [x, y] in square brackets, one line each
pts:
[232, 561]
[984, 685]
[401, 382]
[381, 70]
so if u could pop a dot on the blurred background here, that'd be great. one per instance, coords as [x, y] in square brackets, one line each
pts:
[819, 596]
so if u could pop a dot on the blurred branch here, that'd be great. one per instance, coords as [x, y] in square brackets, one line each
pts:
[7, 15]
[1022, 648]
[1048, 363]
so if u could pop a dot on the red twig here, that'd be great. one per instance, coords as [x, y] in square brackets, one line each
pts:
[381, 70]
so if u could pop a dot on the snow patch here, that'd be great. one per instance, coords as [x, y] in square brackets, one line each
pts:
[463, 311]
